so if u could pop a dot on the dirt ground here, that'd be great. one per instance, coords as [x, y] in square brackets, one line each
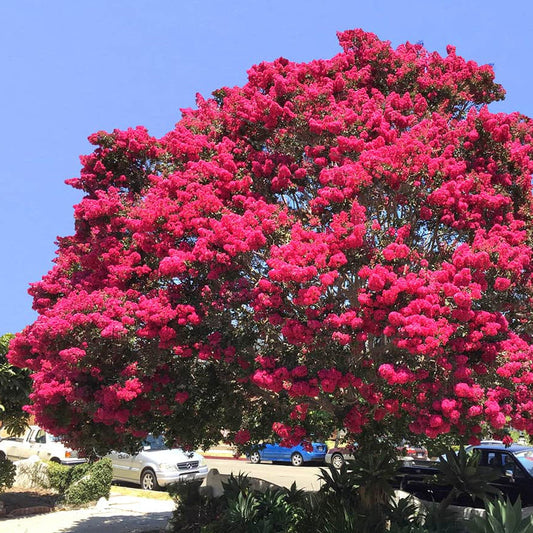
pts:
[15, 498]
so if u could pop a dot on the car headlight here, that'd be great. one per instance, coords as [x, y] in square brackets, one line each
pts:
[202, 461]
[166, 466]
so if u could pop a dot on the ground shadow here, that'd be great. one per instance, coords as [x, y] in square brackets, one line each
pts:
[119, 523]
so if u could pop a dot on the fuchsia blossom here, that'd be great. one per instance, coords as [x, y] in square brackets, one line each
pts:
[507, 440]
[502, 284]
[181, 397]
[242, 436]
[300, 411]
[349, 235]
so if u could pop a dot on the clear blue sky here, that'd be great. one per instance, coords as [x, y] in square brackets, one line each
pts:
[70, 68]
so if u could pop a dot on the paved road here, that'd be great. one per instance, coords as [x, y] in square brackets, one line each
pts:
[306, 476]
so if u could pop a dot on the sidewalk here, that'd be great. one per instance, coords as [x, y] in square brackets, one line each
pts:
[122, 513]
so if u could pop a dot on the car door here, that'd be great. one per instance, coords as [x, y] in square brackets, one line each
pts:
[269, 452]
[34, 443]
[121, 466]
[517, 479]
[44, 445]
[524, 476]
[275, 452]
[279, 453]
[135, 465]
[510, 472]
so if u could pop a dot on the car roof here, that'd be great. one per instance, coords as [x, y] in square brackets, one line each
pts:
[501, 447]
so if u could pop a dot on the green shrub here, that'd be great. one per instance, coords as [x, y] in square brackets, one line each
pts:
[59, 476]
[7, 474]
[79, 471]
[90, 483]
[501, 516]
[81, 483]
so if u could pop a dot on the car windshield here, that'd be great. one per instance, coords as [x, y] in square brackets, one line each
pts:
[154, 443]
[525, 458]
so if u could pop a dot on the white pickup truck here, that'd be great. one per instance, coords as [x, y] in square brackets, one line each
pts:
[37, 442]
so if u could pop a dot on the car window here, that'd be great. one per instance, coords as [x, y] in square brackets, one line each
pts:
[505, 463]
[525, 458]
[38, 436]
[495, 459]
[152, 443]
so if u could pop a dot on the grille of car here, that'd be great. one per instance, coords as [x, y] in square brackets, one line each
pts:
[189, 465]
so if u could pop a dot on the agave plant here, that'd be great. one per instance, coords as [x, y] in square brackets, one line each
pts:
[341, 482]
[235, 485]
[438, 520]
[247, 510]
[340, 519]
[360, 492]
[502, 516]
[403, 513]
[295, 495]
[462, 473]
[242, 511]
[373, 474]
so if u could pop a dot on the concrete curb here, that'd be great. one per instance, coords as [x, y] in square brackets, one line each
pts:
[217, 456]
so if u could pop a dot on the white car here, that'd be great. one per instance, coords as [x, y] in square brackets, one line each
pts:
[157, 466]
[37, 441]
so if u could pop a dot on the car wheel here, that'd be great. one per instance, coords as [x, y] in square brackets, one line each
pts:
[149, 480]
[255, 458]
[337, 460]
[2, 456]
[297, 459]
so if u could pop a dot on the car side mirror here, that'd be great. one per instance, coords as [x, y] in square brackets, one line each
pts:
[509, 474]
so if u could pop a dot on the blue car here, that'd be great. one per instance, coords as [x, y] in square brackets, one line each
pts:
[297, 455]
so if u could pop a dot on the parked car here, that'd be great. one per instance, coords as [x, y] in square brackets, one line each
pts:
[297, 455]
[37, 441]
[514, 465]
[406, 452]
[157, 465]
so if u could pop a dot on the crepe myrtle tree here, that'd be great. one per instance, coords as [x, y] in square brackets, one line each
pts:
[345, 242]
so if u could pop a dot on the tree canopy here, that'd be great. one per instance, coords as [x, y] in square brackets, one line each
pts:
[15, 387]
[344, 243]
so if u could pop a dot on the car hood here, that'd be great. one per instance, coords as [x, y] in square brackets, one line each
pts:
[170, 456]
